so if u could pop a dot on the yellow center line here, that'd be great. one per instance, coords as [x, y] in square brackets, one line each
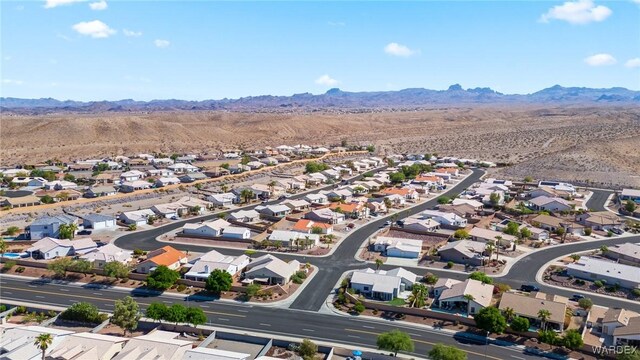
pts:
[424, 342]
[103, 299]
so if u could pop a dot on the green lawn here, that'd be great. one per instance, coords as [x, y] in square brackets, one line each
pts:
[397, 302]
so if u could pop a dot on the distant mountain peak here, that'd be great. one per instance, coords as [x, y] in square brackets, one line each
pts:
[455, 87]
[334, 91]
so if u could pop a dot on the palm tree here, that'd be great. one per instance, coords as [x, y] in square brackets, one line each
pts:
[498, 238]
[379, 263]
[224, 188]
[509, 314]
[490, 249]
[3, 246]
[246, 194]
[469, 299]
[272, 185]
[73, 227]
[544, 315]
[418, 295]
[42, 342]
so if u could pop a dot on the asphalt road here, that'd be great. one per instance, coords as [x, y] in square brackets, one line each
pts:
[330, 267]
[598, 199]
[350, 331]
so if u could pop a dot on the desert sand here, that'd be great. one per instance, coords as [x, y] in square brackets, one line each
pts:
[598, 145]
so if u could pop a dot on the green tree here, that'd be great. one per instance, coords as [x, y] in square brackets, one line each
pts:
[83, 312]
[480, 276]
[548, 337]
[116, 270]
[69, 177]
[3, 246]
[520, 324]
[60, 266]
[469, 298]
[419, 294]
[397, 177]
[317, 230]
[430, 278]
[81, 266]
[509, 314]
[494, 199]
[359, 308]
[544, 315]
[445, 352]
[525, 233]
[176, 313]
[629, 353]
[572, 339]
[251, 291]
[132, 227]
[162, 278]
[395, 341]
[461, 234]
[314, 167]
[379, 263]
[443, 200]
[42, 342]
[574, 257]
[585, 303]
[250, 253]
[47, 199]
[512, 228]
[67, 231]
[12, 230]
[371, 148]
[156, 311]
[195, 316]
[490, 319]
[218, 281]
[307, 349]
[604, 249]
[102, 167]
[528, 179]
[630, 206]
[247, 195]
[126, 314]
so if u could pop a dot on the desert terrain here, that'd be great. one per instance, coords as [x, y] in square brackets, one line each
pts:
[598, 145]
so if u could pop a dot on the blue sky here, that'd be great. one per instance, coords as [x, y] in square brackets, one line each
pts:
[97, 49]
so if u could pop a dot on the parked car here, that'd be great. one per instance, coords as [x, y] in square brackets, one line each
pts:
[617, 231]
[84, 232]
[387, 223]
[577, 297]
[174, 218]
[400, 223]
[529, 288]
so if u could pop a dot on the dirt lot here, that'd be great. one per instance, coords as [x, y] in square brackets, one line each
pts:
[595, 143]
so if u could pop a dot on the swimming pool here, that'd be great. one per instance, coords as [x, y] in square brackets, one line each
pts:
[13, 255]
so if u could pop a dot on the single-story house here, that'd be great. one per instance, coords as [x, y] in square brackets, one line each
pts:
[236, 232]
[445, 219]
[600, 220]
[307, 226]
[276, 210]
[590, 268]
[325, 215]
[169, 210]
[353, 210]
[192, 176]
[382, 285]
[224, 199]
[166, 256]
[203, 266]
[212, 228]
[98, 221]
[420, 225]
[630, 194]
[60, 185]
[450, 294]
[97, 191]
[131, 186]
[549, 204]
[626, 253]
[49, 225]
[50, 248]
[164, 181]
[488, 235]
[297, 204]
[137, 217]
[398, 247]
[291, 238]
[317, 199]
[270, 270]
[105, 254]
[131, 176]
[463, 252]
[408, 193]
[245, 216]
[527, 306]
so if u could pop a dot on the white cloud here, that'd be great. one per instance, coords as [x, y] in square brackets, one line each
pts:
[100, 5]
[577, 12]
[636, 1]
[12, 82]
[396, 49]
[131, 33]
[633, 63]
[600, 60]
[55, 3]
[326, 80]
[96, 29]
[161, 43]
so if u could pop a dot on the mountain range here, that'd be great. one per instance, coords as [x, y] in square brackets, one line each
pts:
[337, 99]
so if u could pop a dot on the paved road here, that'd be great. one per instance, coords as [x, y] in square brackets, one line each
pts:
[349, 331]
[331, 267]
[598, 199]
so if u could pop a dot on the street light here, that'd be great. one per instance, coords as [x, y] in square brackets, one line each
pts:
[486, 345]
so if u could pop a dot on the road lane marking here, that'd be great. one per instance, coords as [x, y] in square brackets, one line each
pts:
[204, 306]
[413, 334]
[368, 327]
[40, 296]
[421, 341]
[33, 286]
[223, 319]
[308, 330]
[96, 293]
[103, 299]
[263, 324]
[517, 357]
[167, 302]
[243, 311]
[353, 336]
[7, 293]
[65, 290]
